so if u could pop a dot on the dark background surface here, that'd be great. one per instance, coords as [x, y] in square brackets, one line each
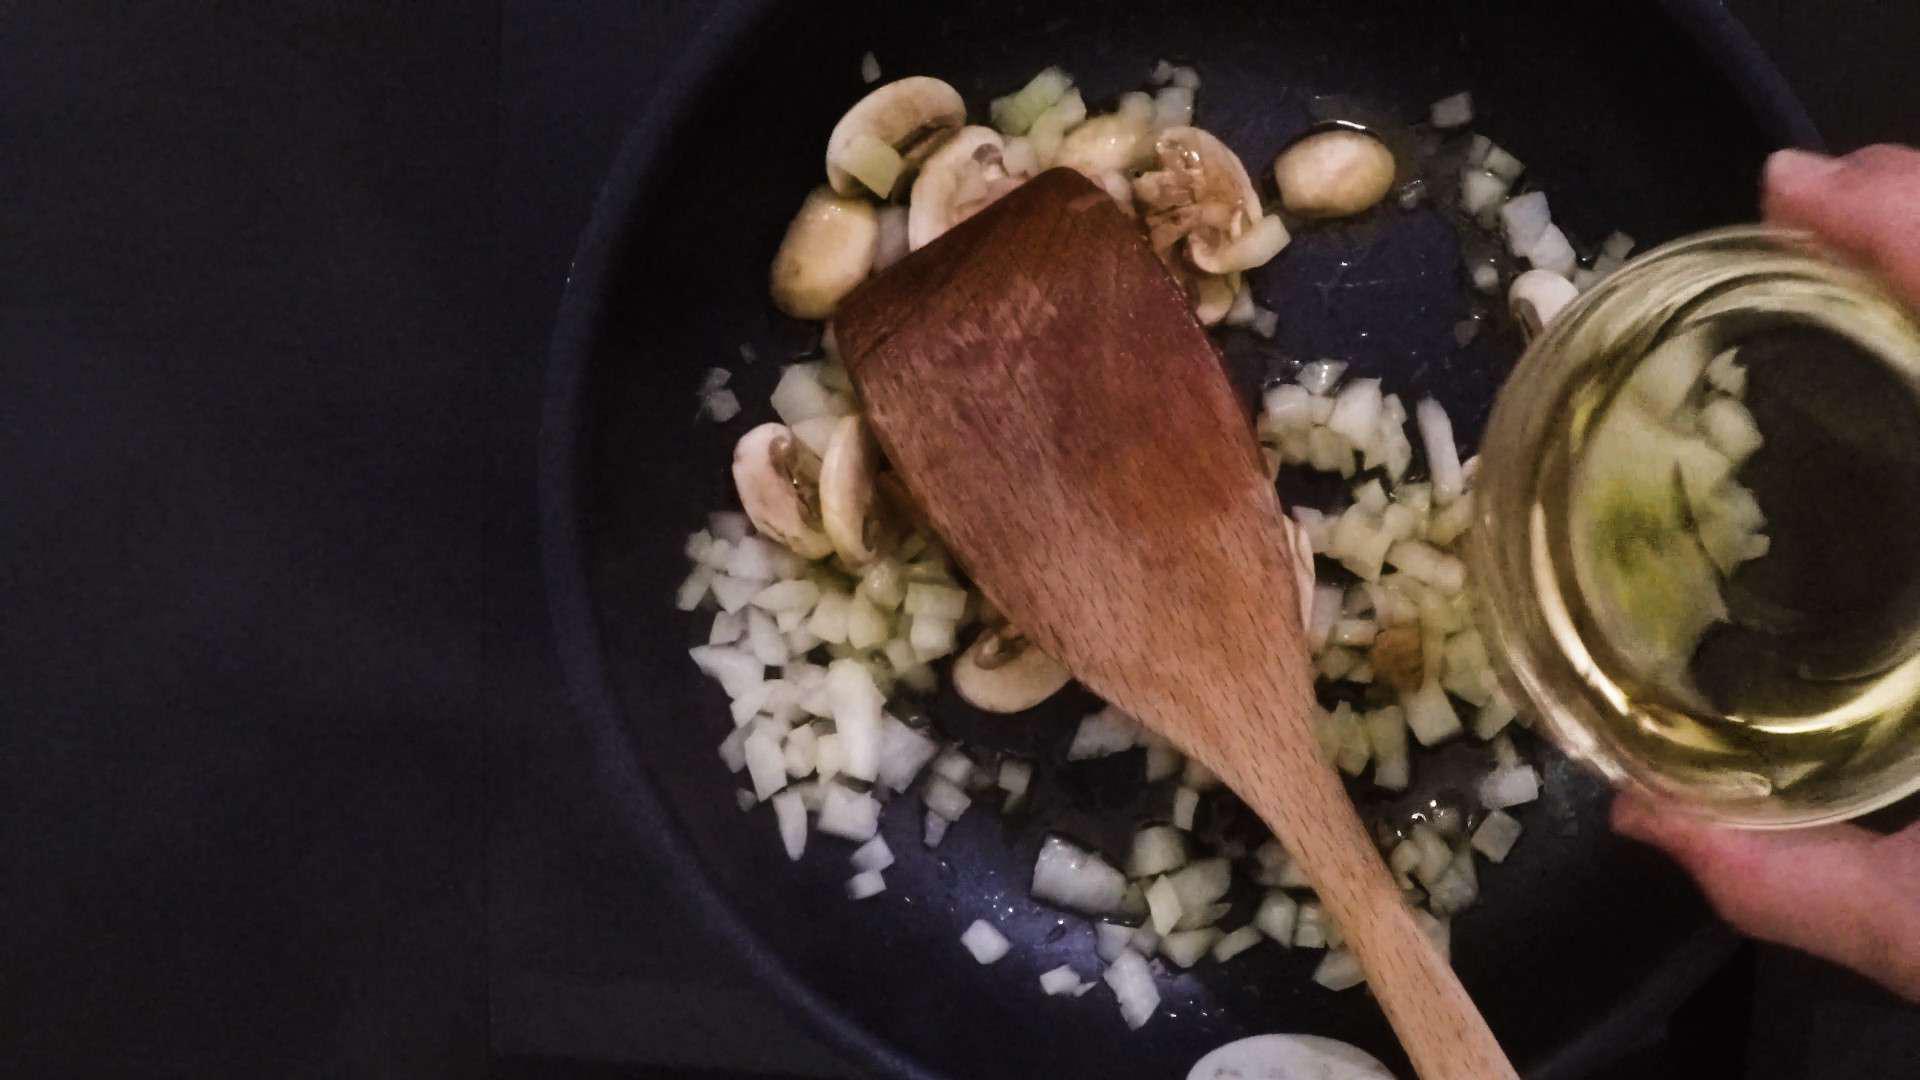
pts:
[288, 783]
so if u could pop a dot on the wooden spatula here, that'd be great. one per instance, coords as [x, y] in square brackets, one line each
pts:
[1043, 388]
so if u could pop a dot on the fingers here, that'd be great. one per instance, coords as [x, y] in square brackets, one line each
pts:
[1837, 891]
[1867, 204]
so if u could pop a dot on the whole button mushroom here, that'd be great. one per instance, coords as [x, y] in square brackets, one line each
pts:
[827, 251]
[1335, 173]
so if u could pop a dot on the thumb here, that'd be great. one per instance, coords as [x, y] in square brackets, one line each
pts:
[1837, 891]
[1862, 204]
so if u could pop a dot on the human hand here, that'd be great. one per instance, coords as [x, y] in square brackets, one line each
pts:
[1839, 891]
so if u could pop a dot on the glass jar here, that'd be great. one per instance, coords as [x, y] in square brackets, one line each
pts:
[1752, 709]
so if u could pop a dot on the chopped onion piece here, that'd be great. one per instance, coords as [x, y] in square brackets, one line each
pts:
[1163, 905]
[1510, 787]
[1525, 218]
[1060, 981]
[1132, 983]
[1185, 802]
[865, 884]
[1016, 112]
[932, 638]
[786, 596]
[1108, 731]
[1496, 835]
[1339, 970]
[1730, 427]
[1502, 164]
[1156, 850]
[728, 627]
[873, 855]
[1387, 736]
[1321, 376]
[1429, 714]
[728, 525]
[800, 396]
[1553, 252]
[734, 593]
[1310, 926]
[801, 751]
[1109, 939]
[1452, 111]
[848, 814]
[984, 942]
[869, 68]
[1617, 245]
[1186, 947]
[945, 798]
[935, 829]
[855, 702]
[1015, 777]
[1236, 943]
[954, 766]
[745, 799]
[791, 813]
[1443, 458]
[1172, 107]
[1276, 917]
[1486, 278]
[1480, 193]
[733, 749]
[1071, 877]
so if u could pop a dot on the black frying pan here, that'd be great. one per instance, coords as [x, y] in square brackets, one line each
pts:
[1652, 117]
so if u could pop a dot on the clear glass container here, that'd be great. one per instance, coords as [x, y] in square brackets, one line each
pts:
[1762, 690]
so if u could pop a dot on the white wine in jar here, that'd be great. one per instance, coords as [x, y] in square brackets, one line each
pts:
[1700, 529]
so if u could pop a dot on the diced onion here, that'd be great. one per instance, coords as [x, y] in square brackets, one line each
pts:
[873, 855]
[1553, 252]
[1452, 111]
[935, 829]
[1443, 458]
[1496, 835]
[1525, 219]
[848, 814]
[1185, 802]
[1156, 850]
[1321, 376]
[985, 942]
[1108, 731]
[865, 884]
[1071, 877]
[1060, 981]
[1338, 970]
[855, 702]
[1510, 787]
[1430, 716]
[1186, 947]
[791, 813]
[1132, 983]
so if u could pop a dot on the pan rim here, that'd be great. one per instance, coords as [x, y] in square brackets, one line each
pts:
[636, 171]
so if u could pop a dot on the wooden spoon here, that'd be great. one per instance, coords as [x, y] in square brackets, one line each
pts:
[1040, 382]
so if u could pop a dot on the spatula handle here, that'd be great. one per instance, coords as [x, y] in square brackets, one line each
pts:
[1304, 802]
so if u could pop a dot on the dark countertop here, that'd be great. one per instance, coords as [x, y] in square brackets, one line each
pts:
[287, 778]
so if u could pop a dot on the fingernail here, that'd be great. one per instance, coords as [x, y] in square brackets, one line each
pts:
[1794, 168]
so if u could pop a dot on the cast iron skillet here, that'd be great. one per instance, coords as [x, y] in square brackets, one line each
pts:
[1652, 117]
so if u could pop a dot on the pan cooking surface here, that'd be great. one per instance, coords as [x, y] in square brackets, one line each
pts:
[1621, 118]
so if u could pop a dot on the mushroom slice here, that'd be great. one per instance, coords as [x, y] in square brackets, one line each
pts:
[963, 177]
[776, 476]
[1003, 672]
[1202, 194]
[827, 251]
[1398, 658]
[847, 486]
[1334, 173]
[908, 116]
[1537, 297]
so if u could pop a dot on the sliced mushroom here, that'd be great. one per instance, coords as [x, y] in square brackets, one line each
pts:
[1202, 194]
[827, 251]
[909, 115]
[1003, 672]
[848, 471]
[1334, 173]
[1397, 657]
[963, 177]
[776, 477]
[1537, 297]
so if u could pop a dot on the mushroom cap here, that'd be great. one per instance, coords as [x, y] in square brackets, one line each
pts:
[1334, 173]
[828, 250]
[906, 114]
